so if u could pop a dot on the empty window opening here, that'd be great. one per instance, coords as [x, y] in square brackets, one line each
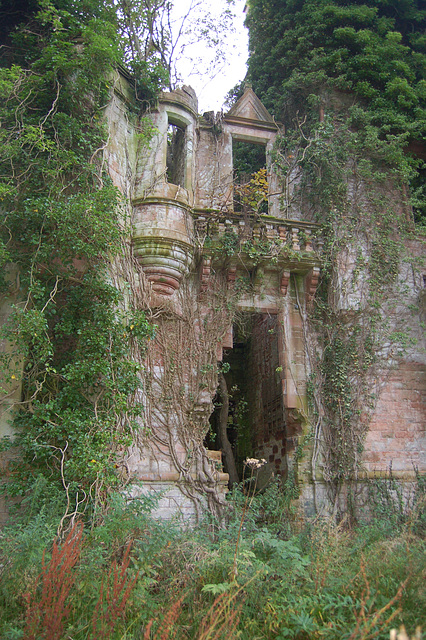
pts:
[250, 177]
[255, 420]
[176, 154]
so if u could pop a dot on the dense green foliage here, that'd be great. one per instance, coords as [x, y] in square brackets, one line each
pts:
[247, 159]
[61, 227]
[373, 50]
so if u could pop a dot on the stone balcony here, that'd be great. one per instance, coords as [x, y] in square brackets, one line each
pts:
[261, 256]
[292, 243]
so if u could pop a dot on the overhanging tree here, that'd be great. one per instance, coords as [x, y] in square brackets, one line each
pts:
[374, 50]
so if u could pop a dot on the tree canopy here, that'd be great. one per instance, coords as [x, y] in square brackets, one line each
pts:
[372, 49]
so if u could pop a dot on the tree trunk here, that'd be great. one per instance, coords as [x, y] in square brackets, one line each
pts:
[228, 456]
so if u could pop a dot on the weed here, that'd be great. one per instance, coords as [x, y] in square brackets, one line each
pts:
[46, 613]
[247, 579]
[113, 597]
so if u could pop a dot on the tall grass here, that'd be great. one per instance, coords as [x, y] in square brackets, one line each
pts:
[131, 577]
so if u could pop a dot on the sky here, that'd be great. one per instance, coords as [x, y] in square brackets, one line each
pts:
[197, 65]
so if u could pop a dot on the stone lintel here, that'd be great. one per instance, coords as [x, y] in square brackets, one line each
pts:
[251, 131]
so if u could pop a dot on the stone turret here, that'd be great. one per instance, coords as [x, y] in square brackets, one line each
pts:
[164, 194]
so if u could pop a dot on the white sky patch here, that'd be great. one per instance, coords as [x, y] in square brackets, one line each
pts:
[211, 75]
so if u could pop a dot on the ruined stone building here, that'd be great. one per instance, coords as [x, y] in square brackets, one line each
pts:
[185, 220]
[229, 285]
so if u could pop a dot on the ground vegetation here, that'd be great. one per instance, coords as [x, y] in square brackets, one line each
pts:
[264, 575]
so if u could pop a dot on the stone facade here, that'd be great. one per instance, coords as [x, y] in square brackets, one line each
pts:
[180, 189]
[397, 434]
[171, 221]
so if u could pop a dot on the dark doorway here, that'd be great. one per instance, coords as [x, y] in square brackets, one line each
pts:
[256, 415]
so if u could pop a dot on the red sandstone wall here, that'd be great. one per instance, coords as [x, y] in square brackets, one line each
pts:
[397, 434]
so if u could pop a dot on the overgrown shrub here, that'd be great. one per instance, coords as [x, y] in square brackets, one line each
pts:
[137, 577]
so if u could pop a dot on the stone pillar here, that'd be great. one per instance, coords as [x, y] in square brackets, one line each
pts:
[293, 350]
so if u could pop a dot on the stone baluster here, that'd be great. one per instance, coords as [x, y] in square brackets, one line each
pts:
[295, 239]
[244, 230]
[256, 231]
[308, 241]
[270, 232]
[282, 233]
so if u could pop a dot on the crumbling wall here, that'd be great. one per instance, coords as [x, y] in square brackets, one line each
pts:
[214, 171]
[192, 264]
[396, 439]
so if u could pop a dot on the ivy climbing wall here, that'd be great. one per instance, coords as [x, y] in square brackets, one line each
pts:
[326, 396]
[333, 391]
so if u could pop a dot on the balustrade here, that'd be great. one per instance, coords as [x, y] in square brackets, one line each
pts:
[285, 237]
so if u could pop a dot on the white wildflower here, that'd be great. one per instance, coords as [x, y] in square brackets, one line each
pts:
[254, 463]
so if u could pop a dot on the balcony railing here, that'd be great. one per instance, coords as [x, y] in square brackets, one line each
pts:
[291, 239]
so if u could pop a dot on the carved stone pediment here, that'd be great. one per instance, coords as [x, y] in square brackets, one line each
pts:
[249, 107]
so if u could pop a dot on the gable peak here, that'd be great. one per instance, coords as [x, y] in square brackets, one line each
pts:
[250, 107]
